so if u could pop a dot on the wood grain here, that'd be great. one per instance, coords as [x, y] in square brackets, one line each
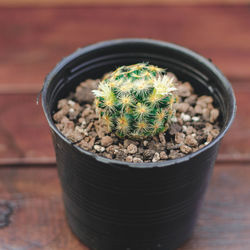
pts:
[33, 40]
[38, 220]
[20, 3]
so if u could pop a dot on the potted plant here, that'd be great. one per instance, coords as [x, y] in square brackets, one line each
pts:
[112, 204]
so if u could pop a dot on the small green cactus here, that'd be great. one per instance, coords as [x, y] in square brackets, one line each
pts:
[136, 101]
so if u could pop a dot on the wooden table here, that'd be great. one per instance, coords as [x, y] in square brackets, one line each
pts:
[33, 40]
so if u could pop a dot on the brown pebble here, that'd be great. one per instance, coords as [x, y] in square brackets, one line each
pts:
[198, 109]
[183, 107]
[183, 90]
[191, 111]
[107, 155]
[68, 125]
[106, 141]
[86, 112]
[208, 128]
[210, 106]
[132, 149]
[162, 139]
[84, 91]
[89, 126]
[215, 132]
[127, 142]
[191, 99]
[174, 128]
[214, 114]
[92, 142]
[86, 145]
[137, 160]
[209, 138]
[62, 103]
[129, 158]
[179, 137]
[112, 149]
[58, 116]
[191, 141]
[185, 149]
[175, 154]
[206, 114]
[190, 130]
[206, 99]
[163, 155]
[148, 153]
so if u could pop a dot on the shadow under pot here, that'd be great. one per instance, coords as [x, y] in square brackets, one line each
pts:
[115, 205]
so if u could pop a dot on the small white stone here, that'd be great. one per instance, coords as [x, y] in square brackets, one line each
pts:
[174, 119]
[71, 103]
[185, 117]
[71, 110]
[99, 148]
[79, 129]
[195, 118]
[156, 157]
[184, 128]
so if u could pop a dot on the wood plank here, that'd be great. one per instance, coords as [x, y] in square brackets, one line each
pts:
[24, 131]
[33, 40]
[37, 220]
[25, 137]
[21, 3]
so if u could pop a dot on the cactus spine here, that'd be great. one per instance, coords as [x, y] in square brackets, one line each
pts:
[136, 101]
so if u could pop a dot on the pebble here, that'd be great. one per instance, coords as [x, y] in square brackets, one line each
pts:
[112, 149]
[185, 117]
[183, 107]
[206, 114]
[145, 143]
[198, 109]
[62, 103]
[174, 128]
[156, 157]
[137, 160]
[185, 149]
[106, 141]
[190, 130]
[191, 99]
[191, 141]
[129, 158]
[85, 145]
[162, 139]
[132, 149]
[99, 148]
[174, 154]
[107, 155]
[209, 138]
[195, 118]
[179, 137]
[215, 132]
[163, 155]
[148, 153]
[214, 114]
[58, 116]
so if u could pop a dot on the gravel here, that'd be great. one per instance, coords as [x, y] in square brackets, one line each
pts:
[196, 125]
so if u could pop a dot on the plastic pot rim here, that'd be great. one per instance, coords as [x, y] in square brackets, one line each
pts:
[144, 165]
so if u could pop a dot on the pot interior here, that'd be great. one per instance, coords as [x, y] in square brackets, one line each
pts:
[93, 61]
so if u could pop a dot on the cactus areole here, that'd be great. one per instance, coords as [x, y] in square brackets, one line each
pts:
[136, 101]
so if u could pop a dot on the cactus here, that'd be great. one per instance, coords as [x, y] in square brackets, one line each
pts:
[136, 101]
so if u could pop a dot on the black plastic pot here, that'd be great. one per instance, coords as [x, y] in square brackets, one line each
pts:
[114, 205]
